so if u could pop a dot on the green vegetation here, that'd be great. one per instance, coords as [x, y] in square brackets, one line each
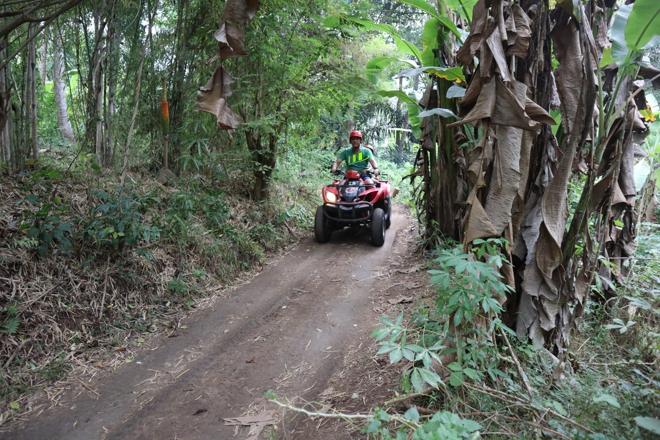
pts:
[133, 215]
[148, 157]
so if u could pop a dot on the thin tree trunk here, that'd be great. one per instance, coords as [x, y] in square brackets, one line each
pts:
[94, 128]
[112, 61]
[59, 88]
[129, 137]
[398, 135]
[99, 137]
[43, 56]
[5, 107]
[98, 87]
[30, 95]
[176, 101]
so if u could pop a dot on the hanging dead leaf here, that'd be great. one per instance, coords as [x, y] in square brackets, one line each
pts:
[479, 29]
[518, 29]
[212, 98]
[231, 33]
[506, 105]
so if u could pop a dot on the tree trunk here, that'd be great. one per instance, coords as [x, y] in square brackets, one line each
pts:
[5, 107]
[440, 176]
[112, 64]
[94, 133]
[176, 98]
[30, 97]
[59, 88]
[136, 107]
[398, 135]
[99, 93]
[265, 158]
[43, 56]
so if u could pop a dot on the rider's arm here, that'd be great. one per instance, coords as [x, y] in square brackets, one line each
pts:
[373, 164]
[336, 164]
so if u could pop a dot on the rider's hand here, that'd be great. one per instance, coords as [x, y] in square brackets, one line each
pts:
[376, 172]
[336, 172]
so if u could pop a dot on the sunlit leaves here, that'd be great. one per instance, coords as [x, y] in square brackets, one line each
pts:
[376, 66]
[643, 23]
[404, 46]
[606, 59]
[430, 42]
[422, 5]
[440, 19]
[397, 94]
[616, 34]
[454, 74]
[633, 27]
[414, 119]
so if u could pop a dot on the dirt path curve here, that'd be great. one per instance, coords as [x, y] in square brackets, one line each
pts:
[287, 329]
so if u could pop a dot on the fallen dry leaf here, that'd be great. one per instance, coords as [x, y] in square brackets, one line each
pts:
[401, 300]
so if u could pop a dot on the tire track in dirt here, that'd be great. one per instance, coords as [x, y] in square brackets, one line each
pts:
[287, 329]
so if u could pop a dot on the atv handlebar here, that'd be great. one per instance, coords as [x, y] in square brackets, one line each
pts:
[374, 172]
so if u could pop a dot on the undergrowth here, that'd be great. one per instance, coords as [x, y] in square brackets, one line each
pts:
[85, 263]
[87, 266]
[465, 375]
[608, 388]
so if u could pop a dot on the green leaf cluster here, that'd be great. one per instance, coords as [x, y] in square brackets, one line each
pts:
[447, 426]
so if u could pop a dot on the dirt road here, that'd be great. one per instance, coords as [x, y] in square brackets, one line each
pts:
[288, 329]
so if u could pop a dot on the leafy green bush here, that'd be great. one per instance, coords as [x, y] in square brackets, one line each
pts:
[460, 328]
[182, 206]
[442, 425]
[447, 426]
[116, 222]
[47, 227]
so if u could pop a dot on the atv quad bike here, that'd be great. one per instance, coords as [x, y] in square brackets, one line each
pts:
[352, 202]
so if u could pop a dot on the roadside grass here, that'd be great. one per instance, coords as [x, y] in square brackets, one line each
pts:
[87, 268]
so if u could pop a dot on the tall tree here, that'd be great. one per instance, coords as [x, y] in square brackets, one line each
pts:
[59, 89]
[30, 94]
[5, 105]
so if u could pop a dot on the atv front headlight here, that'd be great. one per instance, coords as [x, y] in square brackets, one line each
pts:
[330, 197]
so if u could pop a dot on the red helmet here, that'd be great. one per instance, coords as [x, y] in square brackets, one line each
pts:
[355, 134]
[352, 175]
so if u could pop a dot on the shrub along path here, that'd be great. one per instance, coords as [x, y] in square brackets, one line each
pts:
[288, 330]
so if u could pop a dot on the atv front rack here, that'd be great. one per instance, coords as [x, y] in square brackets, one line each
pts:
[348, 212]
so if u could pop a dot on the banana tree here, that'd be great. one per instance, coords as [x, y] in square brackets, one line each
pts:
[504, 168]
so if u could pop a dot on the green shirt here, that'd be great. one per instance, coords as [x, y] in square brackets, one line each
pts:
[356, 161]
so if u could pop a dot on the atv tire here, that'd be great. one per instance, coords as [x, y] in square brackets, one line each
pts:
[378, 227]
[322, 229]
[388, 218]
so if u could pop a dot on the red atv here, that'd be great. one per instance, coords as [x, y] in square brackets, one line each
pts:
[352, 202]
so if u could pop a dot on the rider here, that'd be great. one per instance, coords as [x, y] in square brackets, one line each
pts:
[357, 158]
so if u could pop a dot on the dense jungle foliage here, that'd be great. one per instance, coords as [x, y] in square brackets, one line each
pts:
[152, 150]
